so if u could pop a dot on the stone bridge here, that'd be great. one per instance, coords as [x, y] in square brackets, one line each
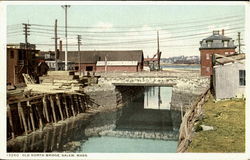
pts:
[187, 85]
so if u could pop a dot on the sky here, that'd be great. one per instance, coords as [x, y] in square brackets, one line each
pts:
[126, 27]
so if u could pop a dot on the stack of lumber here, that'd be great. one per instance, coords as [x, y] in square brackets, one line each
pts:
[57, 82]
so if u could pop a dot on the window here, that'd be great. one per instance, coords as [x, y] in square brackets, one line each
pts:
[207, 56]
[209, 44]
[12, 54]
[242, 76]
[225, 43]
[208, 69]
[89, 68]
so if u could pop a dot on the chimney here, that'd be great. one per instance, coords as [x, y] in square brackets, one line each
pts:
[222, 32]
[60, 46]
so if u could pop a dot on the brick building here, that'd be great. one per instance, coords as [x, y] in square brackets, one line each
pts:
[130, 60]
[214, 44]
[19, 61]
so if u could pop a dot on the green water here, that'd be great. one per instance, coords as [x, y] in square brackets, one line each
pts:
[127, 145]
[151, 114]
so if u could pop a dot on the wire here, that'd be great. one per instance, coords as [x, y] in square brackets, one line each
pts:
[187, 21]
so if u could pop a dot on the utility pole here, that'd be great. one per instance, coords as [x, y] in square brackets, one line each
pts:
[26, 33]
[66, 36]
[239, 43]
[56, 51]
[79, 54]
[158, 51]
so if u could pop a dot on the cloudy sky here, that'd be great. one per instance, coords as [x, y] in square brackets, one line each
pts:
[126, 27]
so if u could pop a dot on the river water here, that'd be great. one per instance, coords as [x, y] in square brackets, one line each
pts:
[145, 125]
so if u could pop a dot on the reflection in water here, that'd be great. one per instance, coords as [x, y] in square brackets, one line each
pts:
[144, 125]
[157, 97]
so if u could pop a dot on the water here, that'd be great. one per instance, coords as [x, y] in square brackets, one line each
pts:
[192, 67]
[145, 125]
[127, 145]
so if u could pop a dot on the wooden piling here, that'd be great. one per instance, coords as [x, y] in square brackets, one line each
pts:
[53, 108]
[45, 108]
[72, 105]
[39, 116]
[65, 105]
[76, 103]
[31, 116]
[59, 106]
[20, 109]
[81, 103]
[11, 121]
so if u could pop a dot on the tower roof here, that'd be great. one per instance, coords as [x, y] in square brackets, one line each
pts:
[217, 36]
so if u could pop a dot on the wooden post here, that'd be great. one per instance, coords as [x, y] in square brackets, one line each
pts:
[81, 103]
[11, 122]
[39, 116]
[46, 141]
[72, 105]
[65, 105]
[46, 108]
[53, 108]
[31, 116]
[53, 139]
[77, 103]
[59, 106]
[20, 109]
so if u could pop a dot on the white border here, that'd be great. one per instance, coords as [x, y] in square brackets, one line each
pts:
[148, 156]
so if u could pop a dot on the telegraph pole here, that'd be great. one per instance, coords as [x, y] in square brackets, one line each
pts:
[26, 33]
[79, 54]
[56, 52]
[66, 36]
[239, 43]
[158, 51]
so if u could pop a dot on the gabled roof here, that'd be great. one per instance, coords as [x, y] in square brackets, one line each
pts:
[94, 56]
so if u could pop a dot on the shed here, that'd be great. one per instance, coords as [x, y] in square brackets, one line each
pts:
[229, 77]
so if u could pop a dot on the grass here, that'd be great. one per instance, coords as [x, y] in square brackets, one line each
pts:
[228, 119]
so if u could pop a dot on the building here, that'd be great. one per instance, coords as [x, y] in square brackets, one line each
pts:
[61, 65]
[130, 61]
[229, 77]
[214, 44]
[19, 61]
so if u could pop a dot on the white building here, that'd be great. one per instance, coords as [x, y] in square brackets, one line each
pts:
[229, 78]
[61, 65]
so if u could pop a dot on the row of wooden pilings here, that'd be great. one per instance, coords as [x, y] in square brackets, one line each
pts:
[35, 112]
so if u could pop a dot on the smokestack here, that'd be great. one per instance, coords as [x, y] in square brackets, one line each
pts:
[60, 46]
[222, 32]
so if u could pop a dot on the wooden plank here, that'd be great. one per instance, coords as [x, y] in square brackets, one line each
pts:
[81, 103]
[76, 103]
[11, 121]
[65, 105]
[45, 106]
[72, 105]
[31, 116]
[20, 109]
[39, 116]
[59, 106]
[53, 108]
